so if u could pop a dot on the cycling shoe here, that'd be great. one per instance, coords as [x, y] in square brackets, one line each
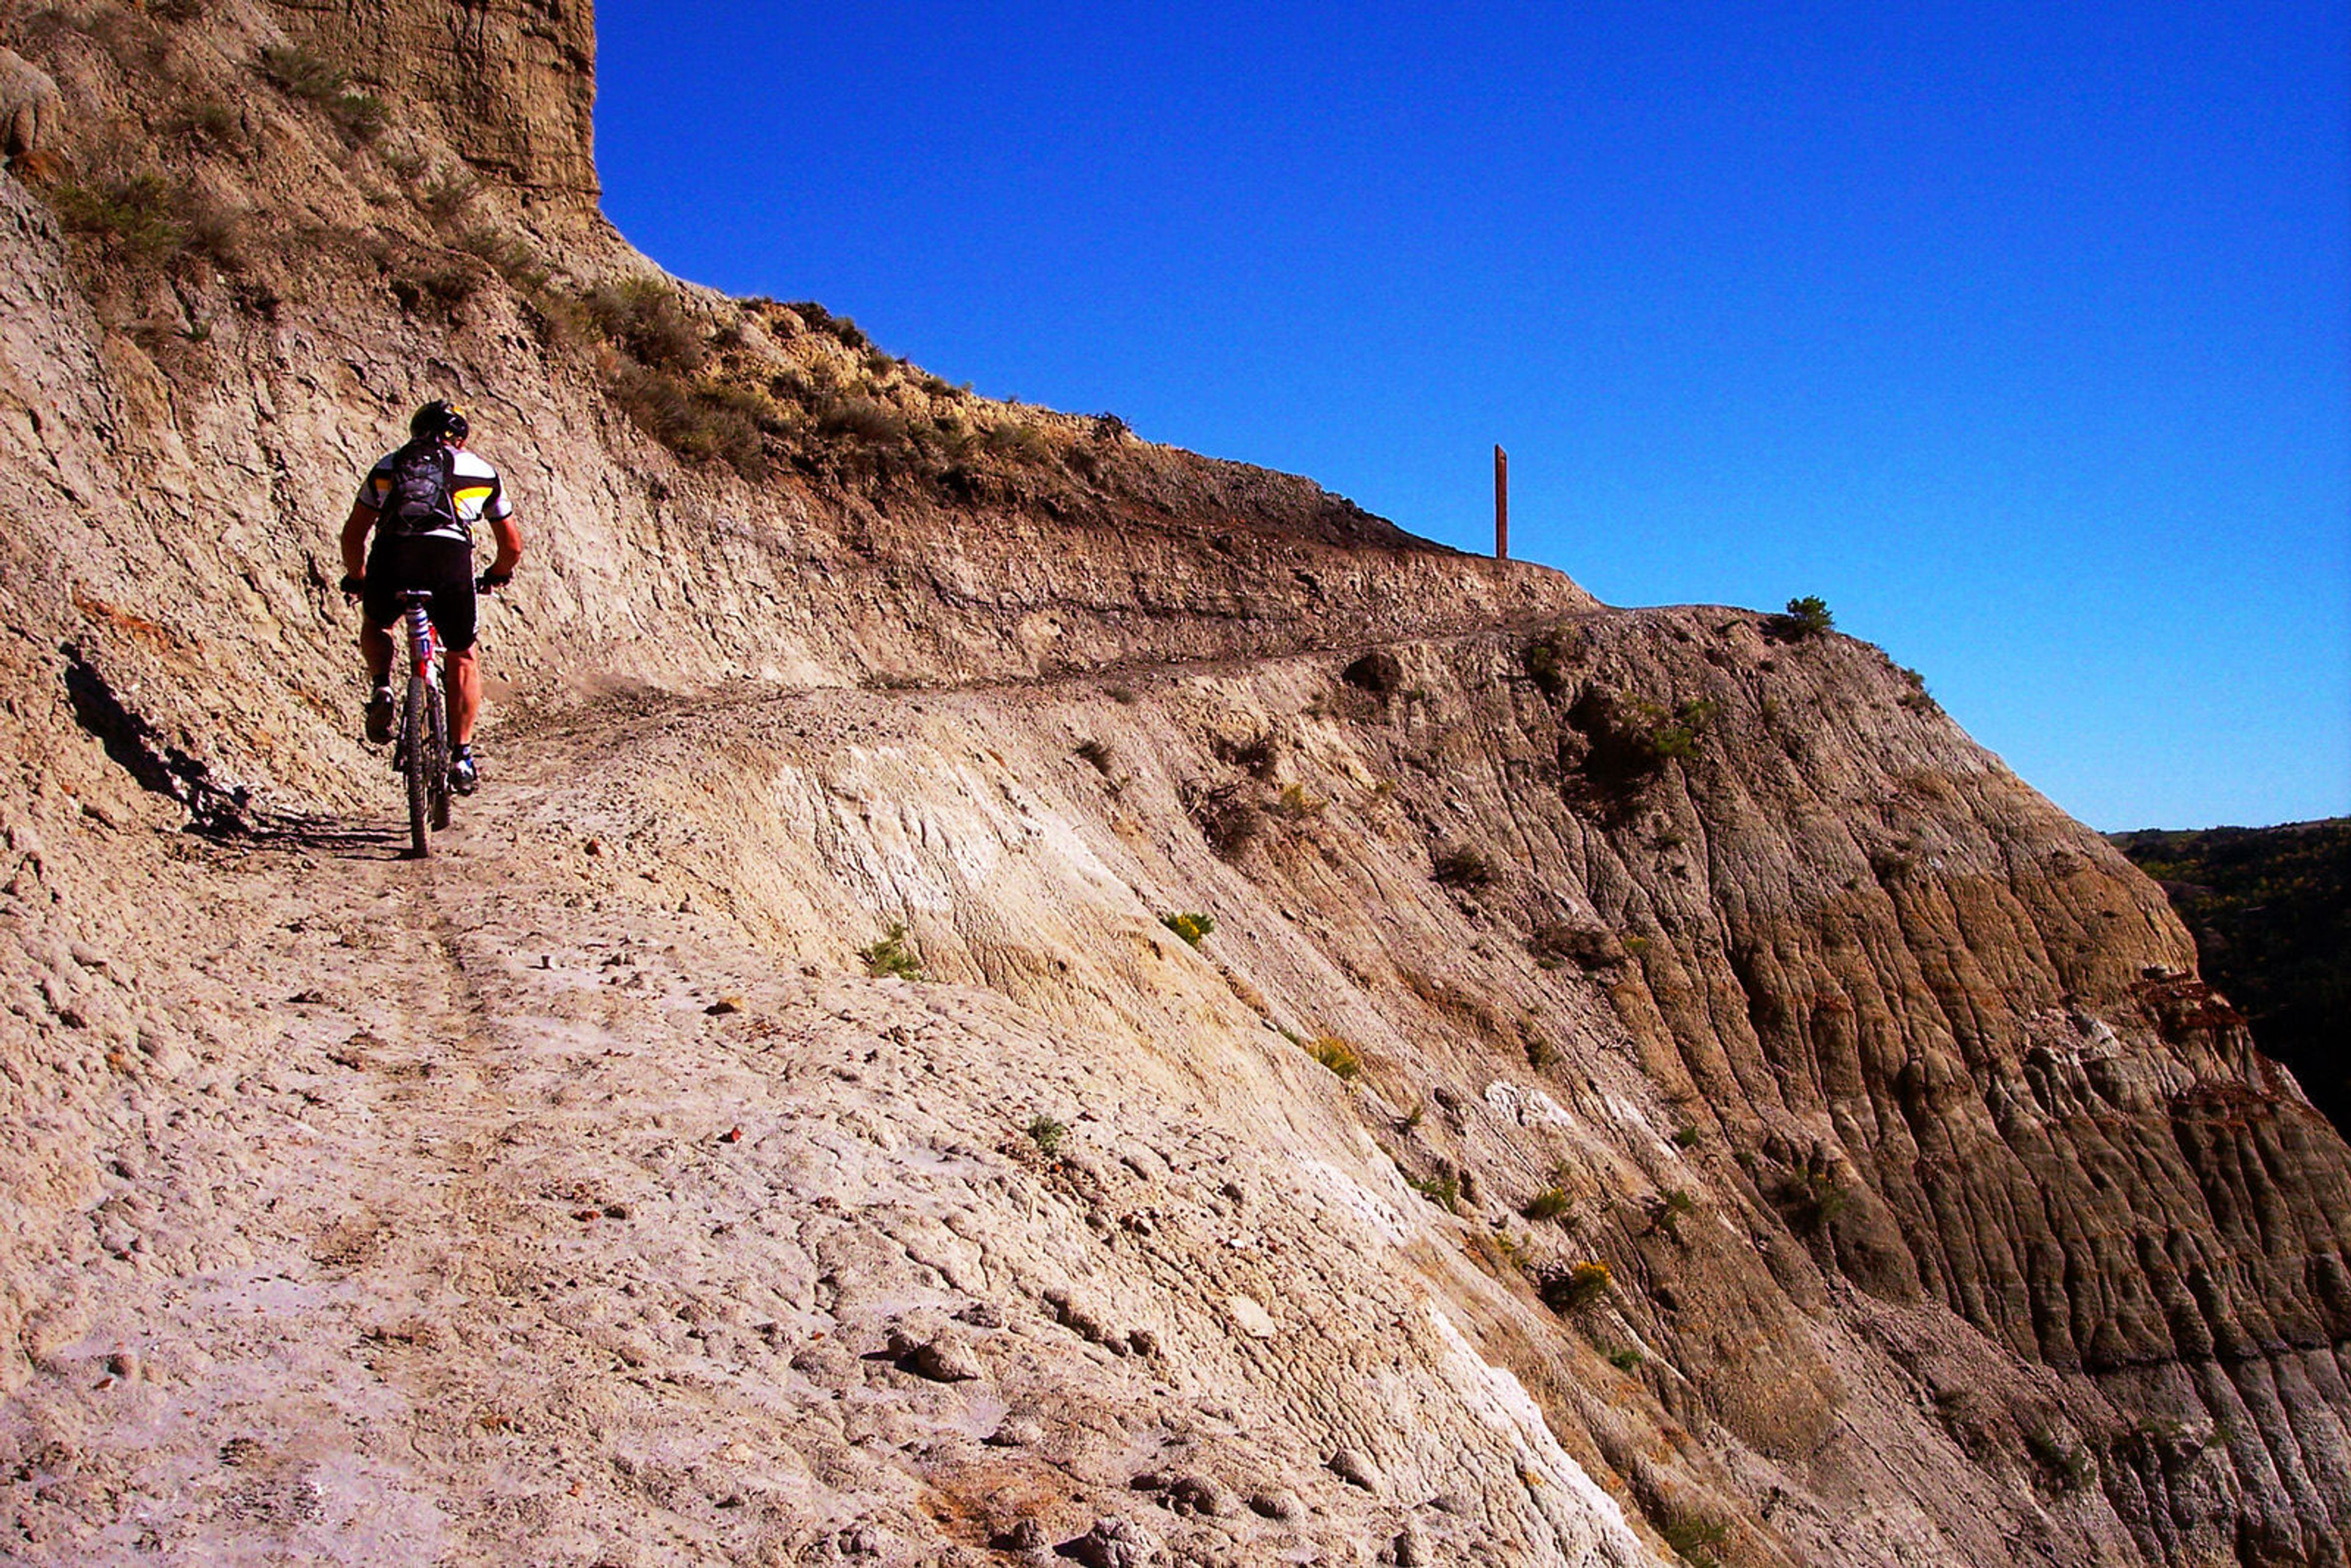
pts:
[379, 715]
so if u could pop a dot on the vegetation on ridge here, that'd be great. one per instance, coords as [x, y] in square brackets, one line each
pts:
[2271, 912]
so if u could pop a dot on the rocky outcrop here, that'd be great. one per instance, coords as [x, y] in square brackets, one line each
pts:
[1646, 1082]
[29, 108]
[508, 85]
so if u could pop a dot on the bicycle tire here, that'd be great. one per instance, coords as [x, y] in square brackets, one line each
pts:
[436, 714]
[417, 755]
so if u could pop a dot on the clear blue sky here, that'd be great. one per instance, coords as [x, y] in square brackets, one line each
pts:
[2020, 333]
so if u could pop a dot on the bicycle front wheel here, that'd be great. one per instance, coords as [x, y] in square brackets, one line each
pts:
[436, 713]
[416, 753]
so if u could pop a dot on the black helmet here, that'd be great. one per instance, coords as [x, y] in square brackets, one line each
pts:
[439, 420]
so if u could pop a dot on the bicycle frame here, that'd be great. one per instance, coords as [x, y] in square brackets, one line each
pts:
[424, 644]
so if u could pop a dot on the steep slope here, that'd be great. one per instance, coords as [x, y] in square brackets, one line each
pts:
[1771, 1132]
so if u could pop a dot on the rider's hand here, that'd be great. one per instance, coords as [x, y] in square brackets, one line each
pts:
[353, 587]
[491, 582]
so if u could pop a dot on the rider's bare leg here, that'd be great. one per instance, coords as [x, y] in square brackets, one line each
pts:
[376, 644]
[464, 695]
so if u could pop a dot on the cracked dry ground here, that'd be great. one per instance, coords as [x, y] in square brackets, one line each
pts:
[494, 1210]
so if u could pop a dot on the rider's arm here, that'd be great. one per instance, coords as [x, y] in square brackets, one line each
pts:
[355, 533]
[509, 540]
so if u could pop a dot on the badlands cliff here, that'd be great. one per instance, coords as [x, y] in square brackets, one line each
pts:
[1654, 1090]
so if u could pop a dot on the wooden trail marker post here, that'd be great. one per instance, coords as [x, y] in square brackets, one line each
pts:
[1501, 504]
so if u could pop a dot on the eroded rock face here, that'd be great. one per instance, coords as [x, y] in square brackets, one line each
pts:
[510, 84]
[1770, 1127]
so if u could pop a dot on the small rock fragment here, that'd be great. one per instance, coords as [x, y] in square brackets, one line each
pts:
[1018, 1433]
[1114, 1543]
[1409, 1550]
[1025, 1536]
[1249, 1317]
[981, 1315]
[943, 1361]
[1352, 1468]
[1199, 1494]
[723, 1006]
[1273, 1504]
[731, 1135]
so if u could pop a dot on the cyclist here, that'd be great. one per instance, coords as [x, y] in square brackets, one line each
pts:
[421, 503]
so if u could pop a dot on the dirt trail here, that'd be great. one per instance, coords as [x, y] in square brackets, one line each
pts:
[531, 1221]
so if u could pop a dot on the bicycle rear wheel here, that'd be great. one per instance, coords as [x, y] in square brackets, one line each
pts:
[416, 755]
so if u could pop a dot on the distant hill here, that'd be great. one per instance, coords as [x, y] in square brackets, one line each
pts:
[2271, 916]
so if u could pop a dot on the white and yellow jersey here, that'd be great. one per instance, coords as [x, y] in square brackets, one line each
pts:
[473, 490]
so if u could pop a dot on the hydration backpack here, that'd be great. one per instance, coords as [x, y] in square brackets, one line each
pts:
[423, 475]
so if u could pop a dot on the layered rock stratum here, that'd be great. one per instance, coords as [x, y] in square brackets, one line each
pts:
[1654, 1089]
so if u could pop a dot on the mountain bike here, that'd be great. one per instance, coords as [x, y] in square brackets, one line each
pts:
[422, 754]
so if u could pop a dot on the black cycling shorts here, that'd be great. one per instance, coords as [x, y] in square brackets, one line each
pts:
[443, 567]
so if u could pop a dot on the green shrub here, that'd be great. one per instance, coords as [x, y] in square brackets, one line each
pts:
[1626, 1360]
[1686, 1138]
[1545, 661]
[298, 73]
[1815, 1199]
[508, 255]
[1674, 738]
[1573, 1290]
[1336, 1054]
[1019, 440]
[1670, 1209]
[1694, 1539]
[147, 220]
[1805, 617]
[136, 218]
[703, 423]
[644, 318]
[1443, 1189]
[446, 194]
[1631, 737]
[1297, 805]
[1046, 1134]
[317, 80]
[854, 416]
[1192, 927]
[890, 956]
[2067, 1467]
[361, 115]
[209, 125]
[1548, 1204]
